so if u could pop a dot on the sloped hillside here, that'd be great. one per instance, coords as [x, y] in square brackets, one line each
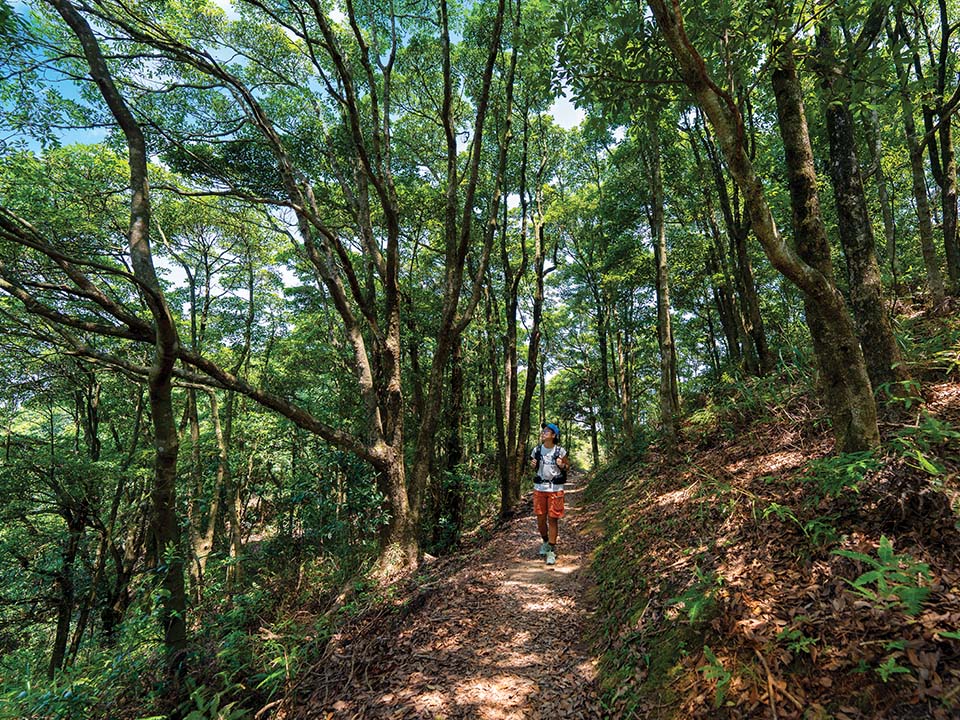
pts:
[759, 575]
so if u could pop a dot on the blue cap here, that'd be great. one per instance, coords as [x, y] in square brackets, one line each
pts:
[556, 430]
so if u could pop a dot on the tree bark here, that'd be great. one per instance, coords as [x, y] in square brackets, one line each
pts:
[756, 357]
[452, 491]
[948, 199]
[624, 377]
[879, 345]
[533, 348]
[875, 147]
[63, 579]
[842, 367]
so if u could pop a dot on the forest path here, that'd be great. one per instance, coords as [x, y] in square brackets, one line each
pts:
[498, 636]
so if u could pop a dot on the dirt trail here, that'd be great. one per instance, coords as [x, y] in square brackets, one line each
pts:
[501, 637]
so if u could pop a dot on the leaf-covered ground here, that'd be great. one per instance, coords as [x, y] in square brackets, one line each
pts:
[491, 633]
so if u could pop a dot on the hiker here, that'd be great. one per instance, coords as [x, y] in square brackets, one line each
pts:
[551, 462]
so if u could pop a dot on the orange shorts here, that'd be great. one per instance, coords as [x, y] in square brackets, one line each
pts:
[548, 503]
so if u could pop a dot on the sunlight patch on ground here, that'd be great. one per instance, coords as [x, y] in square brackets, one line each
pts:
[942, 396]
[503, 696]
[677, 496]
[752, 467]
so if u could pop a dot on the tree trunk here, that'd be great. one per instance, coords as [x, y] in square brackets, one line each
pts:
[533, 348]
[204, 529]
[63, 579]
[877, 341]
[166, 527]
[931, 263]
[624, 376]
[455, 315]
[875, 147]
[88, 412]
[594, 440]
[507, 499]
[948, 199]
[756, 358]
[452, 496]
[399, 545]
[844, 383]
[854, 417]
[750, 299]
[669, 411]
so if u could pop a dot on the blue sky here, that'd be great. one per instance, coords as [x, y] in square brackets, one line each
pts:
[563, 110]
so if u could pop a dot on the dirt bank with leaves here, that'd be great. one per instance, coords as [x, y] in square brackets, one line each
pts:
[769, 578]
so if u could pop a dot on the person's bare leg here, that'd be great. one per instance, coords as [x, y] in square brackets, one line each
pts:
[542, 527]
[554, 529]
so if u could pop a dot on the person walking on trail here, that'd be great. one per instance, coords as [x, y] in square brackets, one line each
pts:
[551, 462]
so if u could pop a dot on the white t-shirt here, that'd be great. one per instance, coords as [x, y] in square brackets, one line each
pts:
[548, 468]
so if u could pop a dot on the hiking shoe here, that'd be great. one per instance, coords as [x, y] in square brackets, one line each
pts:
[551, 557]
[544, 548]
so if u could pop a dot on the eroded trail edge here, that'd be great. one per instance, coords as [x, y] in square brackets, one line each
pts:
[497, 635]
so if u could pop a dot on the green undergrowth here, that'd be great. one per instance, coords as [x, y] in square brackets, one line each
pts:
[246, 648]
[752, 558]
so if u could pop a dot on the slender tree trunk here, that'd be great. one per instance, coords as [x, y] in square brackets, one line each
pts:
[755, 352]
[594, 439]
[452, 495]
[204, 529]
[856, 231]
[88, 412]
[925, 226]
[723, 295]
[196, 563]
[875, 147]
[166, 527]
[503, 456]
[533, 347]
[751, 302]
[948, 199]
[624, 376]
[711, 332]
[65, 590]
[669, 411]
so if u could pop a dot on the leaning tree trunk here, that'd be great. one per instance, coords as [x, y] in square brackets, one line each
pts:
[854, 415]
